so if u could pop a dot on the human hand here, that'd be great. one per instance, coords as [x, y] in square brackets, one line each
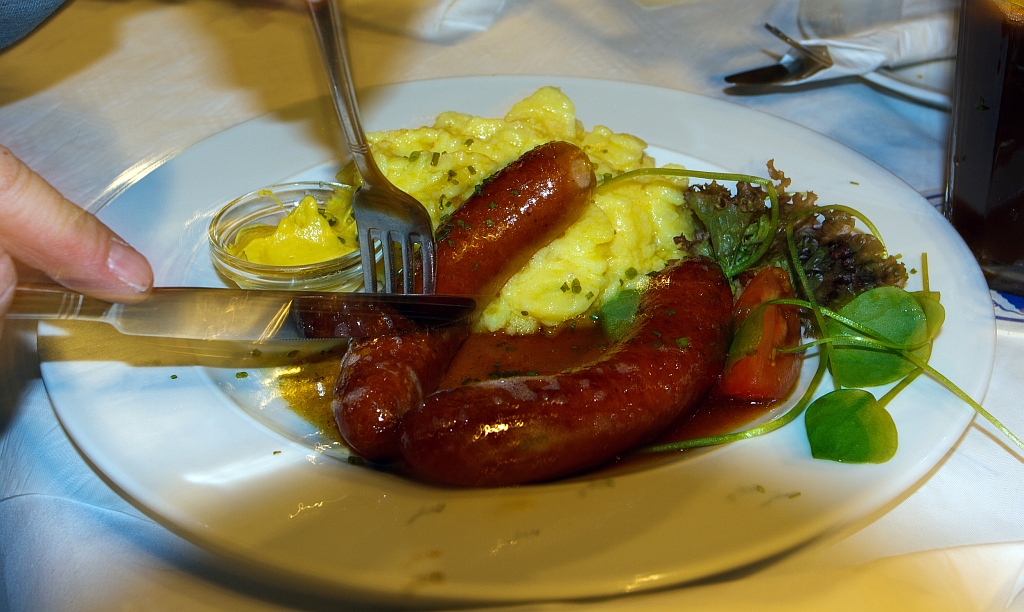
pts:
[41, 229]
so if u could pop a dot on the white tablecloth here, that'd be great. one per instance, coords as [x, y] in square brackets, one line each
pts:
[107, 87]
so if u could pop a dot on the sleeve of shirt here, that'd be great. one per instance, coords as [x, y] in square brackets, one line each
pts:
[19, 17]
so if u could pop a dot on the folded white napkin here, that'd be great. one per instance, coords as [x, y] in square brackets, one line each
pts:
[891, 45]
[431, 20]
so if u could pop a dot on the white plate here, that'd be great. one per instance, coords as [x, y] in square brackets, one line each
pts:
[189, 452]
[930, 82]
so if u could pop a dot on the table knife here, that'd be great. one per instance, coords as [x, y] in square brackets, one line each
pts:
[247, 315]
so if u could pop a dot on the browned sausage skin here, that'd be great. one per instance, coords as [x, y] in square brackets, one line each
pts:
[535, 428]
[489, 238]
[381, 378]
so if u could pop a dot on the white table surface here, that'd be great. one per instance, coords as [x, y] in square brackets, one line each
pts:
[106, 86]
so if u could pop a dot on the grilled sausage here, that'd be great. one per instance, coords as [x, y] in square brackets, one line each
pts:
[535, 428]
[488, 239]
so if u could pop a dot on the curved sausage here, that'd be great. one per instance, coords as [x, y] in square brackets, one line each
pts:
[489, 238]
[534, 428]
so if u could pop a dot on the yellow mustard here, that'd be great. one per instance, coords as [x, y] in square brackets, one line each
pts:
[306, 236]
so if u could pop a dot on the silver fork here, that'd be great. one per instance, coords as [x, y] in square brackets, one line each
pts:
[382, 211]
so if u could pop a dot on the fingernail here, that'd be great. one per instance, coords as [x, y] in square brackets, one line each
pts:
[129, 266]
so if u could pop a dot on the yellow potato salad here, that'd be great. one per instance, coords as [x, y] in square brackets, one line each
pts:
[627, 231]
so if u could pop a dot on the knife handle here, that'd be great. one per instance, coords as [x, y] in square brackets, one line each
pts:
[51, 301]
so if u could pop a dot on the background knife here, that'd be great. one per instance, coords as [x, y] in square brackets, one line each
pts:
[801, 62]
[247, 315]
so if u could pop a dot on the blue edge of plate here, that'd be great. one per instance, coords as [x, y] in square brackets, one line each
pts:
[1008, 307]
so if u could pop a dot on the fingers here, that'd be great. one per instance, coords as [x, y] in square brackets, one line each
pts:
[42, 229]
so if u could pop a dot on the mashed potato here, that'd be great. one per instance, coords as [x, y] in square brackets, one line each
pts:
[626, 232]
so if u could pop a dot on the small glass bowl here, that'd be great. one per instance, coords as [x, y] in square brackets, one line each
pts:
[344, 273]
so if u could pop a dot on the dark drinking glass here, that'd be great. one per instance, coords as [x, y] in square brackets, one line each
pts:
[985, 191]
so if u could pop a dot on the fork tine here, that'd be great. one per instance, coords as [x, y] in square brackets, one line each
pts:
[388, 252]
[428, 262]
[408, 270]
[428, 259]
[389, 241]
[368, 259]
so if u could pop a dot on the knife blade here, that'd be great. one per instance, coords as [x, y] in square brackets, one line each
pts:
[773, 73]
[802, 62]
[247, 315]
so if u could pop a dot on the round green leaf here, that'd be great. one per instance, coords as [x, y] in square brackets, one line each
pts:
[894, 315]
[849, 425]
[933, 311]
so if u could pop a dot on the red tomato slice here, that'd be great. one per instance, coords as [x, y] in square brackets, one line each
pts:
[764, 374]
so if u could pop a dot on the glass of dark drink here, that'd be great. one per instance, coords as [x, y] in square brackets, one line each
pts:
[985, 189]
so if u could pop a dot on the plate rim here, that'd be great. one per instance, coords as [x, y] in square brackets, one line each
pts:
[375, 595]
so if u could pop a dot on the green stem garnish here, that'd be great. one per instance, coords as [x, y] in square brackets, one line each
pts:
[805, 286]
[891, 393]
[835, 316]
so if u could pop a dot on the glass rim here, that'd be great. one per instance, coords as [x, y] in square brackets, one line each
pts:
[221, 253]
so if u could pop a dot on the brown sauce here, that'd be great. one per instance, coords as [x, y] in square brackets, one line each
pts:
[485, 356]
[309, 388]
[716, 414]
